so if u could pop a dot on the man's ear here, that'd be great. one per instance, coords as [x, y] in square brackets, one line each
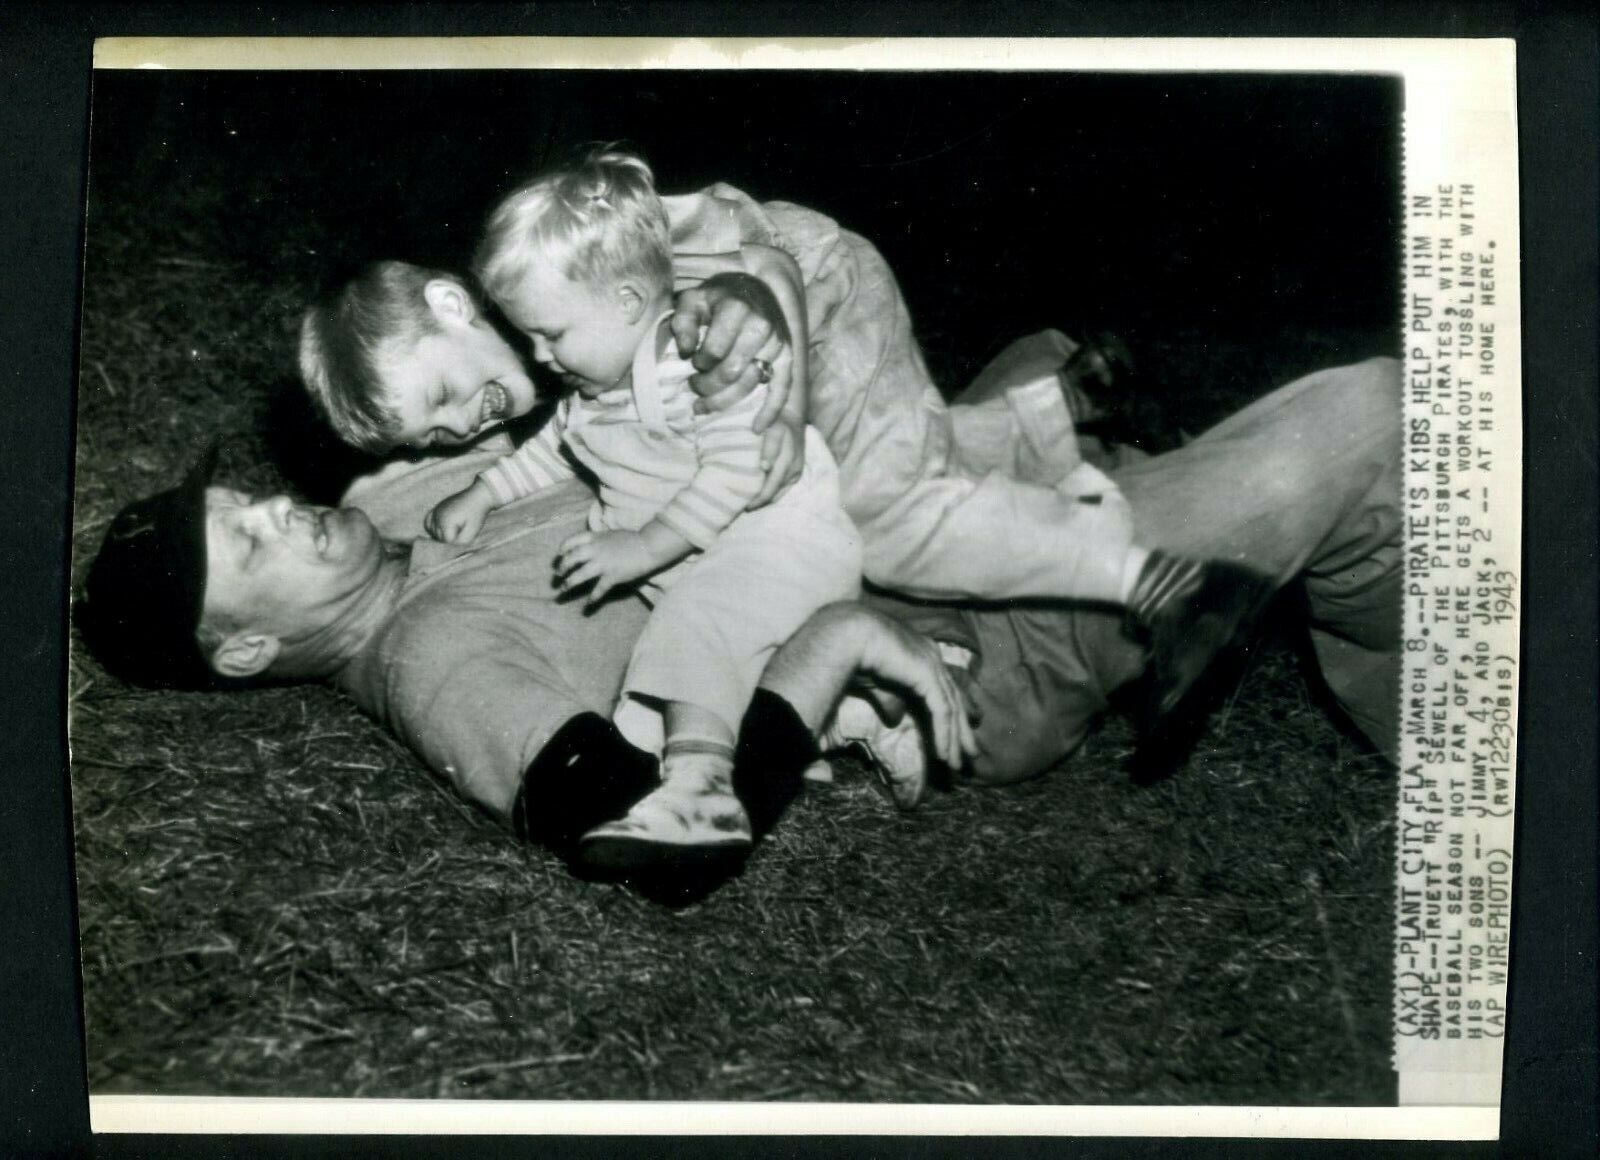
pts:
[449, 300]
[246, 654]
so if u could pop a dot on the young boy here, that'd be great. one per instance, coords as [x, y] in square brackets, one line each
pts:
[591, 284]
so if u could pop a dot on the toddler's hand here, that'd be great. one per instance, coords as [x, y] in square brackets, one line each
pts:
[783, 456]
[609, 559]
[458, 519]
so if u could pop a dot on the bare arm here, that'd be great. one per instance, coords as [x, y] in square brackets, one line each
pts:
[844, 640]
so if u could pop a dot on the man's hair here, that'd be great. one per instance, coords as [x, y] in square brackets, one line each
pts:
[597, 222]
[345, 337]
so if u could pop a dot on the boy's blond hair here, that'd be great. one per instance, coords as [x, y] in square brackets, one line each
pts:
[345, 338]
[597, 222]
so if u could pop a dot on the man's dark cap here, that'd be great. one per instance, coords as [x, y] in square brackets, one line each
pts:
[143, 596]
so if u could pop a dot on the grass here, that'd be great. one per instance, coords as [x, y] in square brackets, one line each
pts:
[276, 898]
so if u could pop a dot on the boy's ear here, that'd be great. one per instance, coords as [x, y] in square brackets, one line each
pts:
[246, 654]
[449, 301]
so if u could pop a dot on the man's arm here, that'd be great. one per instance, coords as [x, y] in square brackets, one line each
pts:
[847, 640]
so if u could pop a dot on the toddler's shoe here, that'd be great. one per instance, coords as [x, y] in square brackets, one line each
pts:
[1192, 612]
[895, 752]
[676, 824]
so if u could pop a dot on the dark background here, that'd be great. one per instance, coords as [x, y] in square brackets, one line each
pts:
[1550, 1066]
[1220, 208]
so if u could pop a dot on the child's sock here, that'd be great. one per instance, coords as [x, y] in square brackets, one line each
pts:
[694, 805]
[1132, 568]
[1153, 579]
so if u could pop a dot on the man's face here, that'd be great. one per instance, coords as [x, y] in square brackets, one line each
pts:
[456, 383]
[277, 567]
[586, 335]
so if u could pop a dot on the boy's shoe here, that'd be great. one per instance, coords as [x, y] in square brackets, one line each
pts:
[1093, 376]
[895, 752]
[1191, 611]
[1112, 402]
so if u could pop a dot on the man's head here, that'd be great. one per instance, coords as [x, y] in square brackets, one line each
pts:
[402, 355]
[201, 582]
[580, 261]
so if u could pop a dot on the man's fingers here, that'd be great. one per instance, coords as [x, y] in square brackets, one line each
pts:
[692, 312]
[734, 393]
[782, 363]
[752, 338]
[728, 322]
[966, 731]
[778, 455]
[963, 741]
[937, 706]
[738, 368]
[899, 656]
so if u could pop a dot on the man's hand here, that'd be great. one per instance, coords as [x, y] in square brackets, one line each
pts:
[783, 456]
[894, 654]
[609, 559]
[743, 327]
[458, 519]
[845, 641]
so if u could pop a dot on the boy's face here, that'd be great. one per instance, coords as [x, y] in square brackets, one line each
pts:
[456, 383]
[585, 334]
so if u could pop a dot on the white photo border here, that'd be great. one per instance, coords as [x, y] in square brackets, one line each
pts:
[1460, 127]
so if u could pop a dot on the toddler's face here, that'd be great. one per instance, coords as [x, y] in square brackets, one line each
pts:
[456, 383]
[584, 334]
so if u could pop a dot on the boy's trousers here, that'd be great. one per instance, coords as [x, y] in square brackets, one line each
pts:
[942, 511]
[1302, 484]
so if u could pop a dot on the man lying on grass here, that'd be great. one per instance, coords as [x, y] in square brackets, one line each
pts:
[466, 652]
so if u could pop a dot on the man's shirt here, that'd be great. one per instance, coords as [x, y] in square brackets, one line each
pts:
[480, 663]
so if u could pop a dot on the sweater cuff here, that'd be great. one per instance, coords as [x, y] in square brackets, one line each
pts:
[494, 477]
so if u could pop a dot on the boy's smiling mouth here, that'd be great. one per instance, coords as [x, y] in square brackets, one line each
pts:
[496, 405]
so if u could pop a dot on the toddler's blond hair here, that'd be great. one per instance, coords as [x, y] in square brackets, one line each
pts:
[597, 222]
